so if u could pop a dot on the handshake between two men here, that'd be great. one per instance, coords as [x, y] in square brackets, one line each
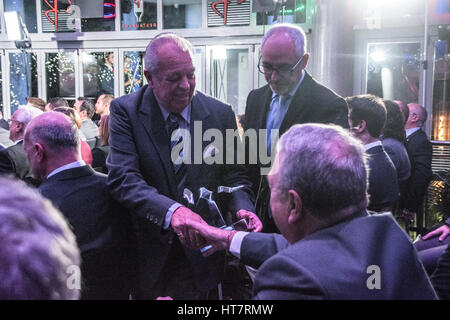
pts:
[196, 234]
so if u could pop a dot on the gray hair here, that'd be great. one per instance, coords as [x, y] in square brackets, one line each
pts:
[325, 165]
[37, 246]
[26, 113]
[55, 135]
[296, 34]
[151, 53]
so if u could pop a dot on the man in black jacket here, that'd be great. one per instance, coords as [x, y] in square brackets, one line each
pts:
[420, 153]
[52, 145]
[290, 97]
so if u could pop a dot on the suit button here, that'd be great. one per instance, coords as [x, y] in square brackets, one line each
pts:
[156, 220]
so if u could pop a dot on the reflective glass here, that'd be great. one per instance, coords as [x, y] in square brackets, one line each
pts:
[26, 10]
[182, 14]
[23, 78]
[98, 73]
[133, 71]
[138, 15]
[60, 75]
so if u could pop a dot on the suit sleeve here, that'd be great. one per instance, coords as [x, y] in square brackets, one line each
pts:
[126, 183]
[420, 174]
[6, 165]
[256, 248]
[283, 278]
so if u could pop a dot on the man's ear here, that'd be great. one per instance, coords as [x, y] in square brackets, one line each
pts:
[20, 128]
[295, 207]
[148, 76]
[39, 150]
[362, 126]
[304, 61]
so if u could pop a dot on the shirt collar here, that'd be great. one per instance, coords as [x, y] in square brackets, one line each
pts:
[293, 91]
[372, 145]
[411, 131]
[71, 165]
[185, 114]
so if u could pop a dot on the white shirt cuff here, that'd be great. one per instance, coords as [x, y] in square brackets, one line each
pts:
[235, 245]
[169, 214]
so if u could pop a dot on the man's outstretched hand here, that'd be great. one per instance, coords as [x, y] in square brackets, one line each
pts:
[189, 237]
[254, 224]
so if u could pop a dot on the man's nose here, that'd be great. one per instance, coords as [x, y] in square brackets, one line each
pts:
[184, 82]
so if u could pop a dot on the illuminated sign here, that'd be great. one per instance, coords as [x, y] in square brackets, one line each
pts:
[228, 12]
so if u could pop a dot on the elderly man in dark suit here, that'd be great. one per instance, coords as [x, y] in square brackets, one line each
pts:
[420, 153]
[52, 145]
[146, 177]
[366, 117]
[13, 160]
[330, 246]
[291, 96]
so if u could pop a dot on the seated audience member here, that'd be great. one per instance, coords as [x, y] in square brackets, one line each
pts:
[86, 153]
[13, 160]
[38, 252]
[3, 123]
[103, 103]
[366, 117]
[56, 102]
[36, 102]
[99, 154]
[90, 130]
[432, 246]
[420, 154]
[52, 145]
[441, 276]
[392, 138]
[330, 246]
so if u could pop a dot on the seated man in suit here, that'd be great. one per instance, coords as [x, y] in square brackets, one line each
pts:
[13, 160]
[86, 110]
[366, 117]
[38, 252]
[146, 141]
[330, 246]
[52, 145]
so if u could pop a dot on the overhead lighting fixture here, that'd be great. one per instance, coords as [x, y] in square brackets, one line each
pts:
[378, 56]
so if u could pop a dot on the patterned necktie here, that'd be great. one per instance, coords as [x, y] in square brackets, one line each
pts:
[176, 140]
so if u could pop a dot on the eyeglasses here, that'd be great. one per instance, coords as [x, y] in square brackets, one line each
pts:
[283, 70]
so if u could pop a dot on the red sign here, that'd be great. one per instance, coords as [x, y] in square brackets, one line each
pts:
[225, 8]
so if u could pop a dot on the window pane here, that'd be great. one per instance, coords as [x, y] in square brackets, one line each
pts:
[133, 70]
[56, 16]
[60, 75]
[23, 78]
[295, 12]
[441, 94]
[98, 73]
[138, 15]
[230, 76]
[104, 22]
[27, 12]
[182, 14]
[393, 71]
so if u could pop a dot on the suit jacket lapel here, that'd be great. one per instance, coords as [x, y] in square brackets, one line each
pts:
[297, 109]
[152, 120]
[265, 100]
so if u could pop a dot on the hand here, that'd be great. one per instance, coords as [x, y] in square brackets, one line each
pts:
[219, 239]
[443, 231]
[254, 225]
[180, 223]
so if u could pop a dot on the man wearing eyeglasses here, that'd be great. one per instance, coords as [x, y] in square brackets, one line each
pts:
[290, 97]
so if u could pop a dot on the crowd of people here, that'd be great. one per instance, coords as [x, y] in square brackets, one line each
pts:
[145, 208]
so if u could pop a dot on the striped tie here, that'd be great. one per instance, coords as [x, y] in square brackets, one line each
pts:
[176, 139]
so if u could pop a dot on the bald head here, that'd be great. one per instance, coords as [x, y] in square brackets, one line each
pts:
[417, 116]
[51, 141]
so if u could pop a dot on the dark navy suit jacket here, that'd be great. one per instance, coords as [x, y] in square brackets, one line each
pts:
[339, 262]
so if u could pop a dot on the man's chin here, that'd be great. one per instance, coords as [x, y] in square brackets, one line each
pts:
[280, 90]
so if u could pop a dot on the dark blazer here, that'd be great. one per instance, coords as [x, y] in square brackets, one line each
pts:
[99, 156]
[142, 178]
[4, 138]
[420, 153]
[312, 102]
[333, 263]
[100, 227]
[383, 184]
[13, 160]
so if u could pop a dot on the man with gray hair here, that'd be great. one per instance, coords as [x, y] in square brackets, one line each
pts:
[52, 144]
[145, 130]
[13, 160]
[291, 96]
[420, 153]
[330, 246]
[38, 252]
